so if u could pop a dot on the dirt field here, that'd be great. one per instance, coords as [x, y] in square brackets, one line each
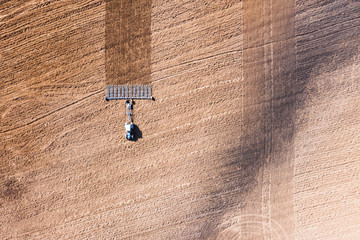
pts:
[254, 134]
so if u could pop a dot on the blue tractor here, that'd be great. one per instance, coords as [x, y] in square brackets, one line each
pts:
[129, 126]
[128, 93]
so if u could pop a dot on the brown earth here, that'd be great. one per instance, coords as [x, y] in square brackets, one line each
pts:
[254, 134]
[128, 41]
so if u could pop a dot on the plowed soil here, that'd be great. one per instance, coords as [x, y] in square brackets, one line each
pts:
[254, 132]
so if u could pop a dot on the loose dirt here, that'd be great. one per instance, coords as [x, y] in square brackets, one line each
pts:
[253, 134]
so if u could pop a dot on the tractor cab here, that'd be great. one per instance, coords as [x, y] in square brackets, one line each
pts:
[129, 128]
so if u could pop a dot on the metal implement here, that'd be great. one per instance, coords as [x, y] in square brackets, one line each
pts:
[115, 92]
[129, 108]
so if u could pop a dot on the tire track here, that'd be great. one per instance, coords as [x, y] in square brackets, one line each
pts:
[52, 112]
[15, 33]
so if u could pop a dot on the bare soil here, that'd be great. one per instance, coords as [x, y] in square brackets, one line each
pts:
[254, 132]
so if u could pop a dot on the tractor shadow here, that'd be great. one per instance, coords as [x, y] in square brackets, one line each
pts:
[137, 133]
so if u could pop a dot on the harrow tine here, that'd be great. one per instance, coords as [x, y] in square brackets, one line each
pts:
[128, 92]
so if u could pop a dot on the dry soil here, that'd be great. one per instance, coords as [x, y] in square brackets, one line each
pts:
[254, 132]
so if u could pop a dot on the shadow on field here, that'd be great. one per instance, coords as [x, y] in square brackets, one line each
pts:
[274, 89]
[137, 133]
[322, 50]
